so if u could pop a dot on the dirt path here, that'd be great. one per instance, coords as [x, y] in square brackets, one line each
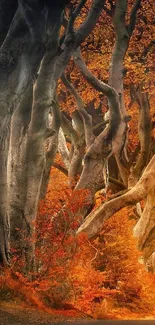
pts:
[14, 314]
[17, 315]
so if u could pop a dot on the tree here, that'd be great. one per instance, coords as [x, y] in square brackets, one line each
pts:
[130, 169]
[40, 48]
[21, 53]
[96, 154]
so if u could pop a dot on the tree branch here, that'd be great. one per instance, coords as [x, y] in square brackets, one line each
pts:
[62, 148]
[133, 16]
[117, 183]
[95, 220]
[108, 91]
[87, 119]
[61, 168]
[77, 119]
[68, 129]
[90, 21]
[144, 131]
[56, 116]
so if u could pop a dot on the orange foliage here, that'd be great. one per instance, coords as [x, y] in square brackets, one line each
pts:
[17, 287]
[64, 260]
[102, 278]
[103, 275]
[120, 259]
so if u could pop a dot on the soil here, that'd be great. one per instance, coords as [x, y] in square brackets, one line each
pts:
[12, 314]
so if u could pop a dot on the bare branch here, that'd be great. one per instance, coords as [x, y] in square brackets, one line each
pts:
[56, 116]
[90, 21]
[94, 221]
[110, 11]
[108, 91]
[116, 182]
[77, 119]
[78, 8]
[62, 148]
[49, 133]
[133, 16]
[87, 119]
[61, 168]
[119, 18]
[52, 145]
[73, 91]
[73, 16]
[103, 123]
[68, 129]
[144, 131]
[147, 50]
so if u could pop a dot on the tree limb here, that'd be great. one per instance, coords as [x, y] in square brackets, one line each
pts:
[106, 90]
[87, 119]
[90, 21]
[95, 220]
[117, 183]
[68, 129]
[62, 148]
[144, 131]
[61, 168]
[133, 15]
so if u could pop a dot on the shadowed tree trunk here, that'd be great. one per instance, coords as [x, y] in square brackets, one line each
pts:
[16, 179]
[32, 157]
[21, 53]
[20, 57]
[52, 147]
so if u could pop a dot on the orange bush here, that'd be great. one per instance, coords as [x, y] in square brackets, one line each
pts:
[100, 277]
[119, 258]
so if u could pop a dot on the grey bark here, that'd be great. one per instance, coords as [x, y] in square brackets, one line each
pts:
[98, 148]
[94, 222]
[20, 55]
[62, 148]
[21, 66]
[123, 35]
[15, 176]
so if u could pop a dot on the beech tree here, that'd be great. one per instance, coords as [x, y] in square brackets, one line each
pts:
[43, 46]
[32, 56]
[21, 52]
[112, 141]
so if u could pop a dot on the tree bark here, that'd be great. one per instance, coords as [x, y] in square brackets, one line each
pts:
[145, 227]
[94, 222]
[15, 177]
[123, 35]
[20, 55]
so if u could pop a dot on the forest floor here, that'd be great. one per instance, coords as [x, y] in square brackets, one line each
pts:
[14, 314]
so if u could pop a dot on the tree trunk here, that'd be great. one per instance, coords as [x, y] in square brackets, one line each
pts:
[17, 68]
[145, 227]
[16, 176]
[92, 180]
[94, 222]
[4, 217]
